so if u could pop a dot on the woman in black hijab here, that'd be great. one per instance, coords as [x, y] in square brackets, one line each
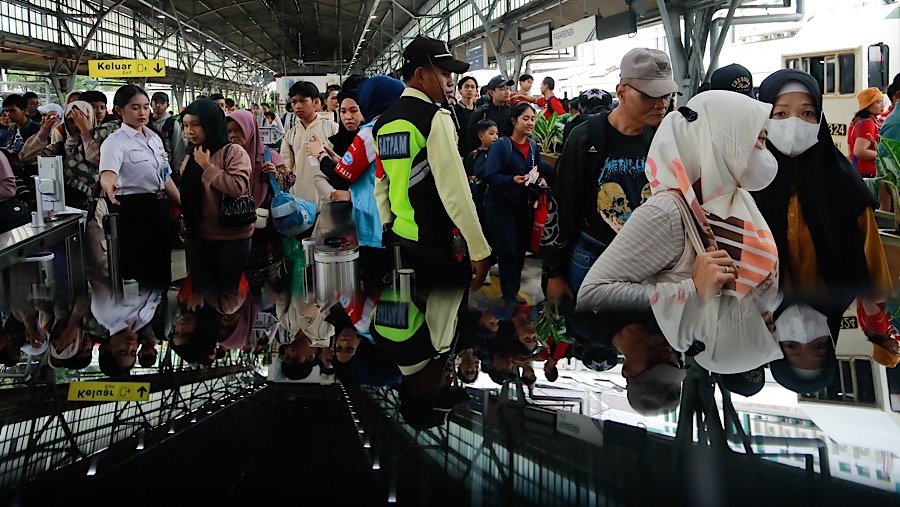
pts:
[216, 250]
[822, 217]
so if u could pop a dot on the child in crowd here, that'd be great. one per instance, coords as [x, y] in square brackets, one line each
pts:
[474, 163]
[300, 356]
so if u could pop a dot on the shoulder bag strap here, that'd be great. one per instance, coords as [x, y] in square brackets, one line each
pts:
[274, 183]
[687, 218]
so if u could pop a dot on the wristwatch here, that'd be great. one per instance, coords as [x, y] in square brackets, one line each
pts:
[552, 271]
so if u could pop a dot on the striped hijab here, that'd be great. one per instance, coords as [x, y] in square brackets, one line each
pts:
[702, 151]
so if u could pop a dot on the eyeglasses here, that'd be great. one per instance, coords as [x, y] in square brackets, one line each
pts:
[665, 99]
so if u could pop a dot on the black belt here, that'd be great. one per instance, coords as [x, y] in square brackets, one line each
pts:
[149, 195]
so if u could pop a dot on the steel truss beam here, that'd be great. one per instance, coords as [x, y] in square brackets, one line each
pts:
[65, 66]
[66, 434]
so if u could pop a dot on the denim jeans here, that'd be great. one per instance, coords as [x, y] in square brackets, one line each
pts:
[587, 250]
[582, 326]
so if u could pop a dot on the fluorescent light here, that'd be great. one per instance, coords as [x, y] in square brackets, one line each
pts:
[372, 16]
[161, 16]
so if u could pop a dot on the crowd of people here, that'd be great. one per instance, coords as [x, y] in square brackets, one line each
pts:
[729, 229]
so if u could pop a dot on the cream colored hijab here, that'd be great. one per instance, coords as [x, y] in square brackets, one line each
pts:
[702, 151]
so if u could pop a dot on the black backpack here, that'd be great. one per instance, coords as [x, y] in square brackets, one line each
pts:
[166, 132]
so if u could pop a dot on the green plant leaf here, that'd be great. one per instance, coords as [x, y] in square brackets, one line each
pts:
[887, 162]
[548, 132]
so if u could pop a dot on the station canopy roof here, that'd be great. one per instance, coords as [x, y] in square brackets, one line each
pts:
[305, 37]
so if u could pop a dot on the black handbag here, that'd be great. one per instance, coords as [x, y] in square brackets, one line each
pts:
[13, 213]
[237, 211]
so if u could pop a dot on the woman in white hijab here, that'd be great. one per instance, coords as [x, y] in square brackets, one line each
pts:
[71, 344]
[78, 147]
[698, 252]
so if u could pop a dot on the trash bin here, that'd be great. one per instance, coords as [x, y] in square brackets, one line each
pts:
[336, 252]
[337, 273]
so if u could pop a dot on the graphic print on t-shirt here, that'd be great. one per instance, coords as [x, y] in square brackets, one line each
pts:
[622, 187]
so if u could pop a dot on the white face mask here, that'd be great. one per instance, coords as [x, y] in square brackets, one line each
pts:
[793, 136]
[761, 170]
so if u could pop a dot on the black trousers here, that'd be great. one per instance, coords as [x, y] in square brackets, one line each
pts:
[435, 268]
[144, 242]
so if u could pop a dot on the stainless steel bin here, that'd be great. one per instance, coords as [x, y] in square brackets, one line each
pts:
[337, 273]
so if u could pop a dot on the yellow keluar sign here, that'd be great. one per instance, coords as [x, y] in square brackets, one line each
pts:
[127, 68]
[109, 391]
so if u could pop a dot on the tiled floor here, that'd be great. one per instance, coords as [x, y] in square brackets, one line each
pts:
[179, 264]
[529, 290]
[487, 297]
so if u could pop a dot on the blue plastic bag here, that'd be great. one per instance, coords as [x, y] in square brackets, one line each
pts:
[290, 214]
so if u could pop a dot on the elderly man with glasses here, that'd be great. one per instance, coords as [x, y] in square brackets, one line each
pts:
[601, 176]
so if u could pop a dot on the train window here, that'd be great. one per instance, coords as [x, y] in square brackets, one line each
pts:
[878, 66]
[847, 73]
[854, 383]
[829, 74]
[893, 381]
[816, 67]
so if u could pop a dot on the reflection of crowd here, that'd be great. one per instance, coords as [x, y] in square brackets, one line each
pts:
[727, 229]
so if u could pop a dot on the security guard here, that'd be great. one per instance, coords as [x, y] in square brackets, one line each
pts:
[421, 186]
[425, 204]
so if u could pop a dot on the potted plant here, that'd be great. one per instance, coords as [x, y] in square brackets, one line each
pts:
[889, 172]
[548, 134]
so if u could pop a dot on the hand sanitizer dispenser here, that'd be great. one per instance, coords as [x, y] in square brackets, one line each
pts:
[50, 185]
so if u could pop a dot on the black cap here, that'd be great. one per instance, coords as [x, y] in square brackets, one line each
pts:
[160, 97]
[498, 81]
[594, 100]
[599, 358]
[733, 78]
[746, 384]
[428, 51]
